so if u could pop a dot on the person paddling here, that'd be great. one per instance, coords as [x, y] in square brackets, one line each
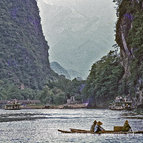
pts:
[126, 127]
[98, 127]
[93, 126]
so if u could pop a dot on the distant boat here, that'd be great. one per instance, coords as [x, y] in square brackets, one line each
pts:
[121, 104]
[12, 106]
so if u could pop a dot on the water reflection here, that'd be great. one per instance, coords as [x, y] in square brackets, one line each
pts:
[40, 126]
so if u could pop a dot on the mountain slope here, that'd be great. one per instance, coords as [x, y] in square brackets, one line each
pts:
[24, 57]
[121, 75]
[59, 69]
[68, 73]
[129, 31]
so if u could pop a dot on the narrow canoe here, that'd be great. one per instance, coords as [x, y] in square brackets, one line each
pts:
[104, 132]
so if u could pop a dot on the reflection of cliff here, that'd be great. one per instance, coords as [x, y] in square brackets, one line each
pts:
[80, 32]
[23, 49]
[129, 37]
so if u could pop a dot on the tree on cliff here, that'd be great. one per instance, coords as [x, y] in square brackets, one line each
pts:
[102, 82]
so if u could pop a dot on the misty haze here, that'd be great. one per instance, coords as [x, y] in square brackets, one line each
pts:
[79, 31]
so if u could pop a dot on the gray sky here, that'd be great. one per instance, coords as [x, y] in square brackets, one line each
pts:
[79, 32]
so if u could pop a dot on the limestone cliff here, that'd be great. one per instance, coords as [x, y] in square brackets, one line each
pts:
[23, 48]
[120, 75]
[129, 31]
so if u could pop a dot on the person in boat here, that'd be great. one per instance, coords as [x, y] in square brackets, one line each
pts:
[93, 126]
[126, 127]
[98, 127]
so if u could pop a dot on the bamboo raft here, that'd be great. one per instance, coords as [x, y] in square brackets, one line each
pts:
[102, 132]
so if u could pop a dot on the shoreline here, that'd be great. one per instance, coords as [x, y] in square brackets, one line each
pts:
[64, 106]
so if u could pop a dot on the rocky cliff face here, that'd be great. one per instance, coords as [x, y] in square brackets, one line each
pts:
[129, 37]
[23, 48]
[120, 75]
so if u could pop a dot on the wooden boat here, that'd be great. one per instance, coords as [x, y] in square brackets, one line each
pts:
[121, 103]
[102, 132]
[80, 131]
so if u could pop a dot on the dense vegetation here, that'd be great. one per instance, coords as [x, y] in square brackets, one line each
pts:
[102, 83]
[23, 51]
[24, 66]
[135, 41]
[9, 90]
[59, 91]
[23, 48]
[55, 92]
[132, 11]
[106, 79]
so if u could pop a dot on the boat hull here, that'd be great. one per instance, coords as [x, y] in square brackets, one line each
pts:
[103, 132]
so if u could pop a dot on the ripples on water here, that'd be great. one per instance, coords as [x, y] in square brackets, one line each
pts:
[40, 126]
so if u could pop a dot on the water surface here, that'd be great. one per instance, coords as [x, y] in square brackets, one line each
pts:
[40, 126]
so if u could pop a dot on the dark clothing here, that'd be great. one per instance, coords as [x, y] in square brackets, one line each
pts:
[92, 127]
[98, 129]
[126, 127]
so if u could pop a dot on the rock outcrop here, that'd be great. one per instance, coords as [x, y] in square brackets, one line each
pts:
[120, 75]
[129, 37]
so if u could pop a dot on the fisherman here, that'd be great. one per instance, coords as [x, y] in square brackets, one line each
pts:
[93, 126]
[98, 127]
[126, 127]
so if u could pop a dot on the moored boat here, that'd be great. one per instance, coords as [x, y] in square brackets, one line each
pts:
[122, 103]
[12, 106]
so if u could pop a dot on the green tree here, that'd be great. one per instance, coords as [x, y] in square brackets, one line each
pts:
[102, 82]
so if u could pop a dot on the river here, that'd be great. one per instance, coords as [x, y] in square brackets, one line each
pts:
[40, 126]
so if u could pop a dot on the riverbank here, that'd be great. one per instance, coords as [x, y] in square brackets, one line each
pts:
[67, 106]
[64, 106]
